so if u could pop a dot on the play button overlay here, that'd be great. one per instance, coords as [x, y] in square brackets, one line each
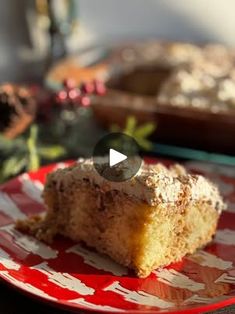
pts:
[116, 157]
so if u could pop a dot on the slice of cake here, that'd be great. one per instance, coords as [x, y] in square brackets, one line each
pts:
[152, 220]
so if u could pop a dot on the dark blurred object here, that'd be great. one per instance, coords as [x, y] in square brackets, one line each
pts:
[60, 19]
[57, 44]
[17, 109]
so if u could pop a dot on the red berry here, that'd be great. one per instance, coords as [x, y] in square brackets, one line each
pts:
[88, 87]
[73, 93]
[69, 83]
[61, 95]
[85, 101]
[100, 88]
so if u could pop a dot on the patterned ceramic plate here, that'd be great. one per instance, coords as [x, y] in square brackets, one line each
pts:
[75, 277]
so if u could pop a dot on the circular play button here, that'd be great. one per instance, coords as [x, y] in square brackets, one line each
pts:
[117, 157]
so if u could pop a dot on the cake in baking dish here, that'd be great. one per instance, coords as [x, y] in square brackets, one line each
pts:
[152, 220]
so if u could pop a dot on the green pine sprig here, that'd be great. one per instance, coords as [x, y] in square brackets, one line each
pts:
[25, 153]
[139, 132]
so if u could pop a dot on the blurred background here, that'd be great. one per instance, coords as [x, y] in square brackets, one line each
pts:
[26, 29]
[56, 47]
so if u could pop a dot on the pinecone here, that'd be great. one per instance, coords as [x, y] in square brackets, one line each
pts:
[17, 109]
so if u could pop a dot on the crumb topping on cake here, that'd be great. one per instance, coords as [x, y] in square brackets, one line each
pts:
[201, 77]
[202, 86]
[166, 54]
[154, 184]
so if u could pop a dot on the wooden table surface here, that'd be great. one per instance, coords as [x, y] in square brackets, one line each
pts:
[13, 302]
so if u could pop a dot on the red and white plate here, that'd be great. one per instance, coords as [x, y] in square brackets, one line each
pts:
[72, 276]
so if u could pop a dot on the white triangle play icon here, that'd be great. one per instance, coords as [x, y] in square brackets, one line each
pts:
[115, 157]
